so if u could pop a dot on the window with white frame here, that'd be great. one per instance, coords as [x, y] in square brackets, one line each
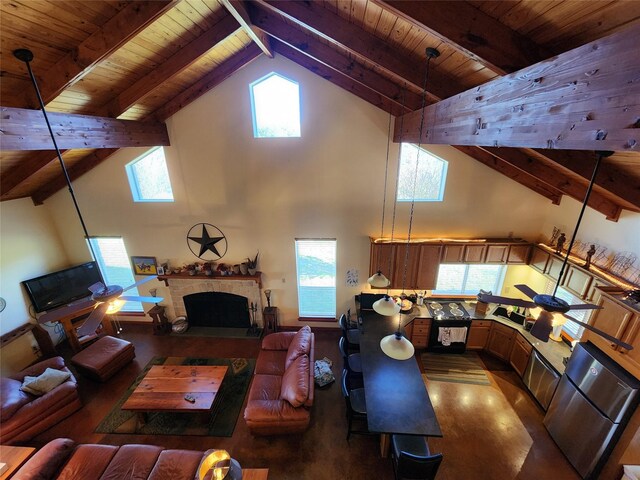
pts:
[429, 177]
[316, 275]
[468, 279]
[275, 107]
[149, 177]
[572, 329]
[115, 267]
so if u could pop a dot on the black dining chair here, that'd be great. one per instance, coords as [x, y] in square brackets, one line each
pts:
[352, 362]
[356, 406]
[351, 335]
[412, 458]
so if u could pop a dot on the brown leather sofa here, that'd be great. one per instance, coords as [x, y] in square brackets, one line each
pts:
[281, 393]
[22, 415]
[63, 459]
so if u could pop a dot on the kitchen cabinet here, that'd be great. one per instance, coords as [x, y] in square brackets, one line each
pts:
[593, 289]
[478, 334]
[520, 353]
[539, 260]
[553, 267]
[474, 253]
[422, 264]
[577, 281]
[453, 253]
[620, 321]
[519, 254]
[500, 341]
[380, 256]
[420, 332]
[497, 254]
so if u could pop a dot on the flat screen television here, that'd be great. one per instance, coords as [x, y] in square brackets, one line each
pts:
[63, 287]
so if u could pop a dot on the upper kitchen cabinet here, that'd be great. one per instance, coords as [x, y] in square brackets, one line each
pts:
[539, 260]
[382, 257]
[422, 263]
[519, 254]
[474, 253]
[453, 253]
[577, 281]
[619, 320]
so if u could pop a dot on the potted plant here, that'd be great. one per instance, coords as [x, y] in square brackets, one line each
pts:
[252, 264]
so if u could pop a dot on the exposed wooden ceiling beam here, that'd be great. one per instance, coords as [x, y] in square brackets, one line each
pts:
[117, 31]
[134, 94]
[239, 12]
[24, 129]
[523, 178]
[337, 78]
[209, 81]
[171, 67]
[585, 99]
[333, 59]
[330, 26]
[470, 31]
[608, 178]
[571, 185]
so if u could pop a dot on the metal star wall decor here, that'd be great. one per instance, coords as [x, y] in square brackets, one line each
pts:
[211, 240]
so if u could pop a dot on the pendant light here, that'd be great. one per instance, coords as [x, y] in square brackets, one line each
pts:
[396, 345]
[378, 280]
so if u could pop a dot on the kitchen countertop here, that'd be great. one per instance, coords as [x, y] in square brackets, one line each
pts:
[553, 352]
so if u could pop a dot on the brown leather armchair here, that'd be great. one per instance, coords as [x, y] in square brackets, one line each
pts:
[22, 415]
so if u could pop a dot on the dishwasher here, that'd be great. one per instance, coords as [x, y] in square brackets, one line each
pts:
[541, 379]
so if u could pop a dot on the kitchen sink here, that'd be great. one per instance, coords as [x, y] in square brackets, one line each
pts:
[513, 316]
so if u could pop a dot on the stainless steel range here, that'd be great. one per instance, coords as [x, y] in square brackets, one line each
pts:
[449, 328]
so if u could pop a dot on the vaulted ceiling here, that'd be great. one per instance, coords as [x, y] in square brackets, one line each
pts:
[110, 72]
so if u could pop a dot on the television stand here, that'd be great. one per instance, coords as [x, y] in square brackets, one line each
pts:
[70, 329]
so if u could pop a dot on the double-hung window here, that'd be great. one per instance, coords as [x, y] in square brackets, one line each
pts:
[316, 276]
[115, 267]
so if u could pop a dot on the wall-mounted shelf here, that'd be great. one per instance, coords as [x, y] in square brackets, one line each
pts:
[216, 276]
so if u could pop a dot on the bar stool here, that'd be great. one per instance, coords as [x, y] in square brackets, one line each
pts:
[352, 362]
[412, 459]
[351, 335]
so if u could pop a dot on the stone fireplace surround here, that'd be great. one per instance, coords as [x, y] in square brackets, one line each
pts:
[181, 286]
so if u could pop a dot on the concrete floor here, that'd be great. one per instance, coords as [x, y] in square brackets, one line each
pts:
[490, 432]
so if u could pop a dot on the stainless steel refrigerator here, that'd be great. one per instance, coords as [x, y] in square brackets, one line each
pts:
[591, 407]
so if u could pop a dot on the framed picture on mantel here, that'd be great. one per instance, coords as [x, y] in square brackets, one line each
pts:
[144, 265]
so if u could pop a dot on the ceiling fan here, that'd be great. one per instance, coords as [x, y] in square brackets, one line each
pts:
[551, 304]
[106, 299]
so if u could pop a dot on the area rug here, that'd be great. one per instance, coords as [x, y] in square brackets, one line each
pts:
[224, 412]
[457, 368]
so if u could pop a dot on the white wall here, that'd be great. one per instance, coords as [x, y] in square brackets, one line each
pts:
[264, 193]
[29, 247]
[620, 236]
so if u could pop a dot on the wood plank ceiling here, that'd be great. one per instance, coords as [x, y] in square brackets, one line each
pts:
[143, 61]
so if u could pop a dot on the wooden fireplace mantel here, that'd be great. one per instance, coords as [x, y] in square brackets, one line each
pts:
[216, 276]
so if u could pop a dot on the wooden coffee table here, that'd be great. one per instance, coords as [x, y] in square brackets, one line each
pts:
[164, 387]
[13, 458]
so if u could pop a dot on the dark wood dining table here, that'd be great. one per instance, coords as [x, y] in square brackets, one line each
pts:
[396, 396]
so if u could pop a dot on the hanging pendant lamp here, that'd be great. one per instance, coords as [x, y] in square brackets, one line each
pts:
[378, 280]
[396, 345]
[386, 306]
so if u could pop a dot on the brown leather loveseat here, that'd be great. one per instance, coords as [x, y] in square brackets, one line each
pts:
[281, 393]
[23, 415]
[63, 459]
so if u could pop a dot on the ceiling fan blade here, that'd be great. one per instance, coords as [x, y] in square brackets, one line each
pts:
[92, 323]
[585, 306]
[528, 291]
[141, 299]
[140, 282]
[516, 302]
[59, 313]
[97, 287]
[597, 331]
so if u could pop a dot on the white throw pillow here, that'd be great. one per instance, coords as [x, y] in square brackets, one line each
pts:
[45, 382]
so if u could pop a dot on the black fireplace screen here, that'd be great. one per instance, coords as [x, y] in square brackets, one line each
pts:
[217, 309]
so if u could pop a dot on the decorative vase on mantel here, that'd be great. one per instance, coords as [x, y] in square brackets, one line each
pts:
[252, 271]
[244, 268]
